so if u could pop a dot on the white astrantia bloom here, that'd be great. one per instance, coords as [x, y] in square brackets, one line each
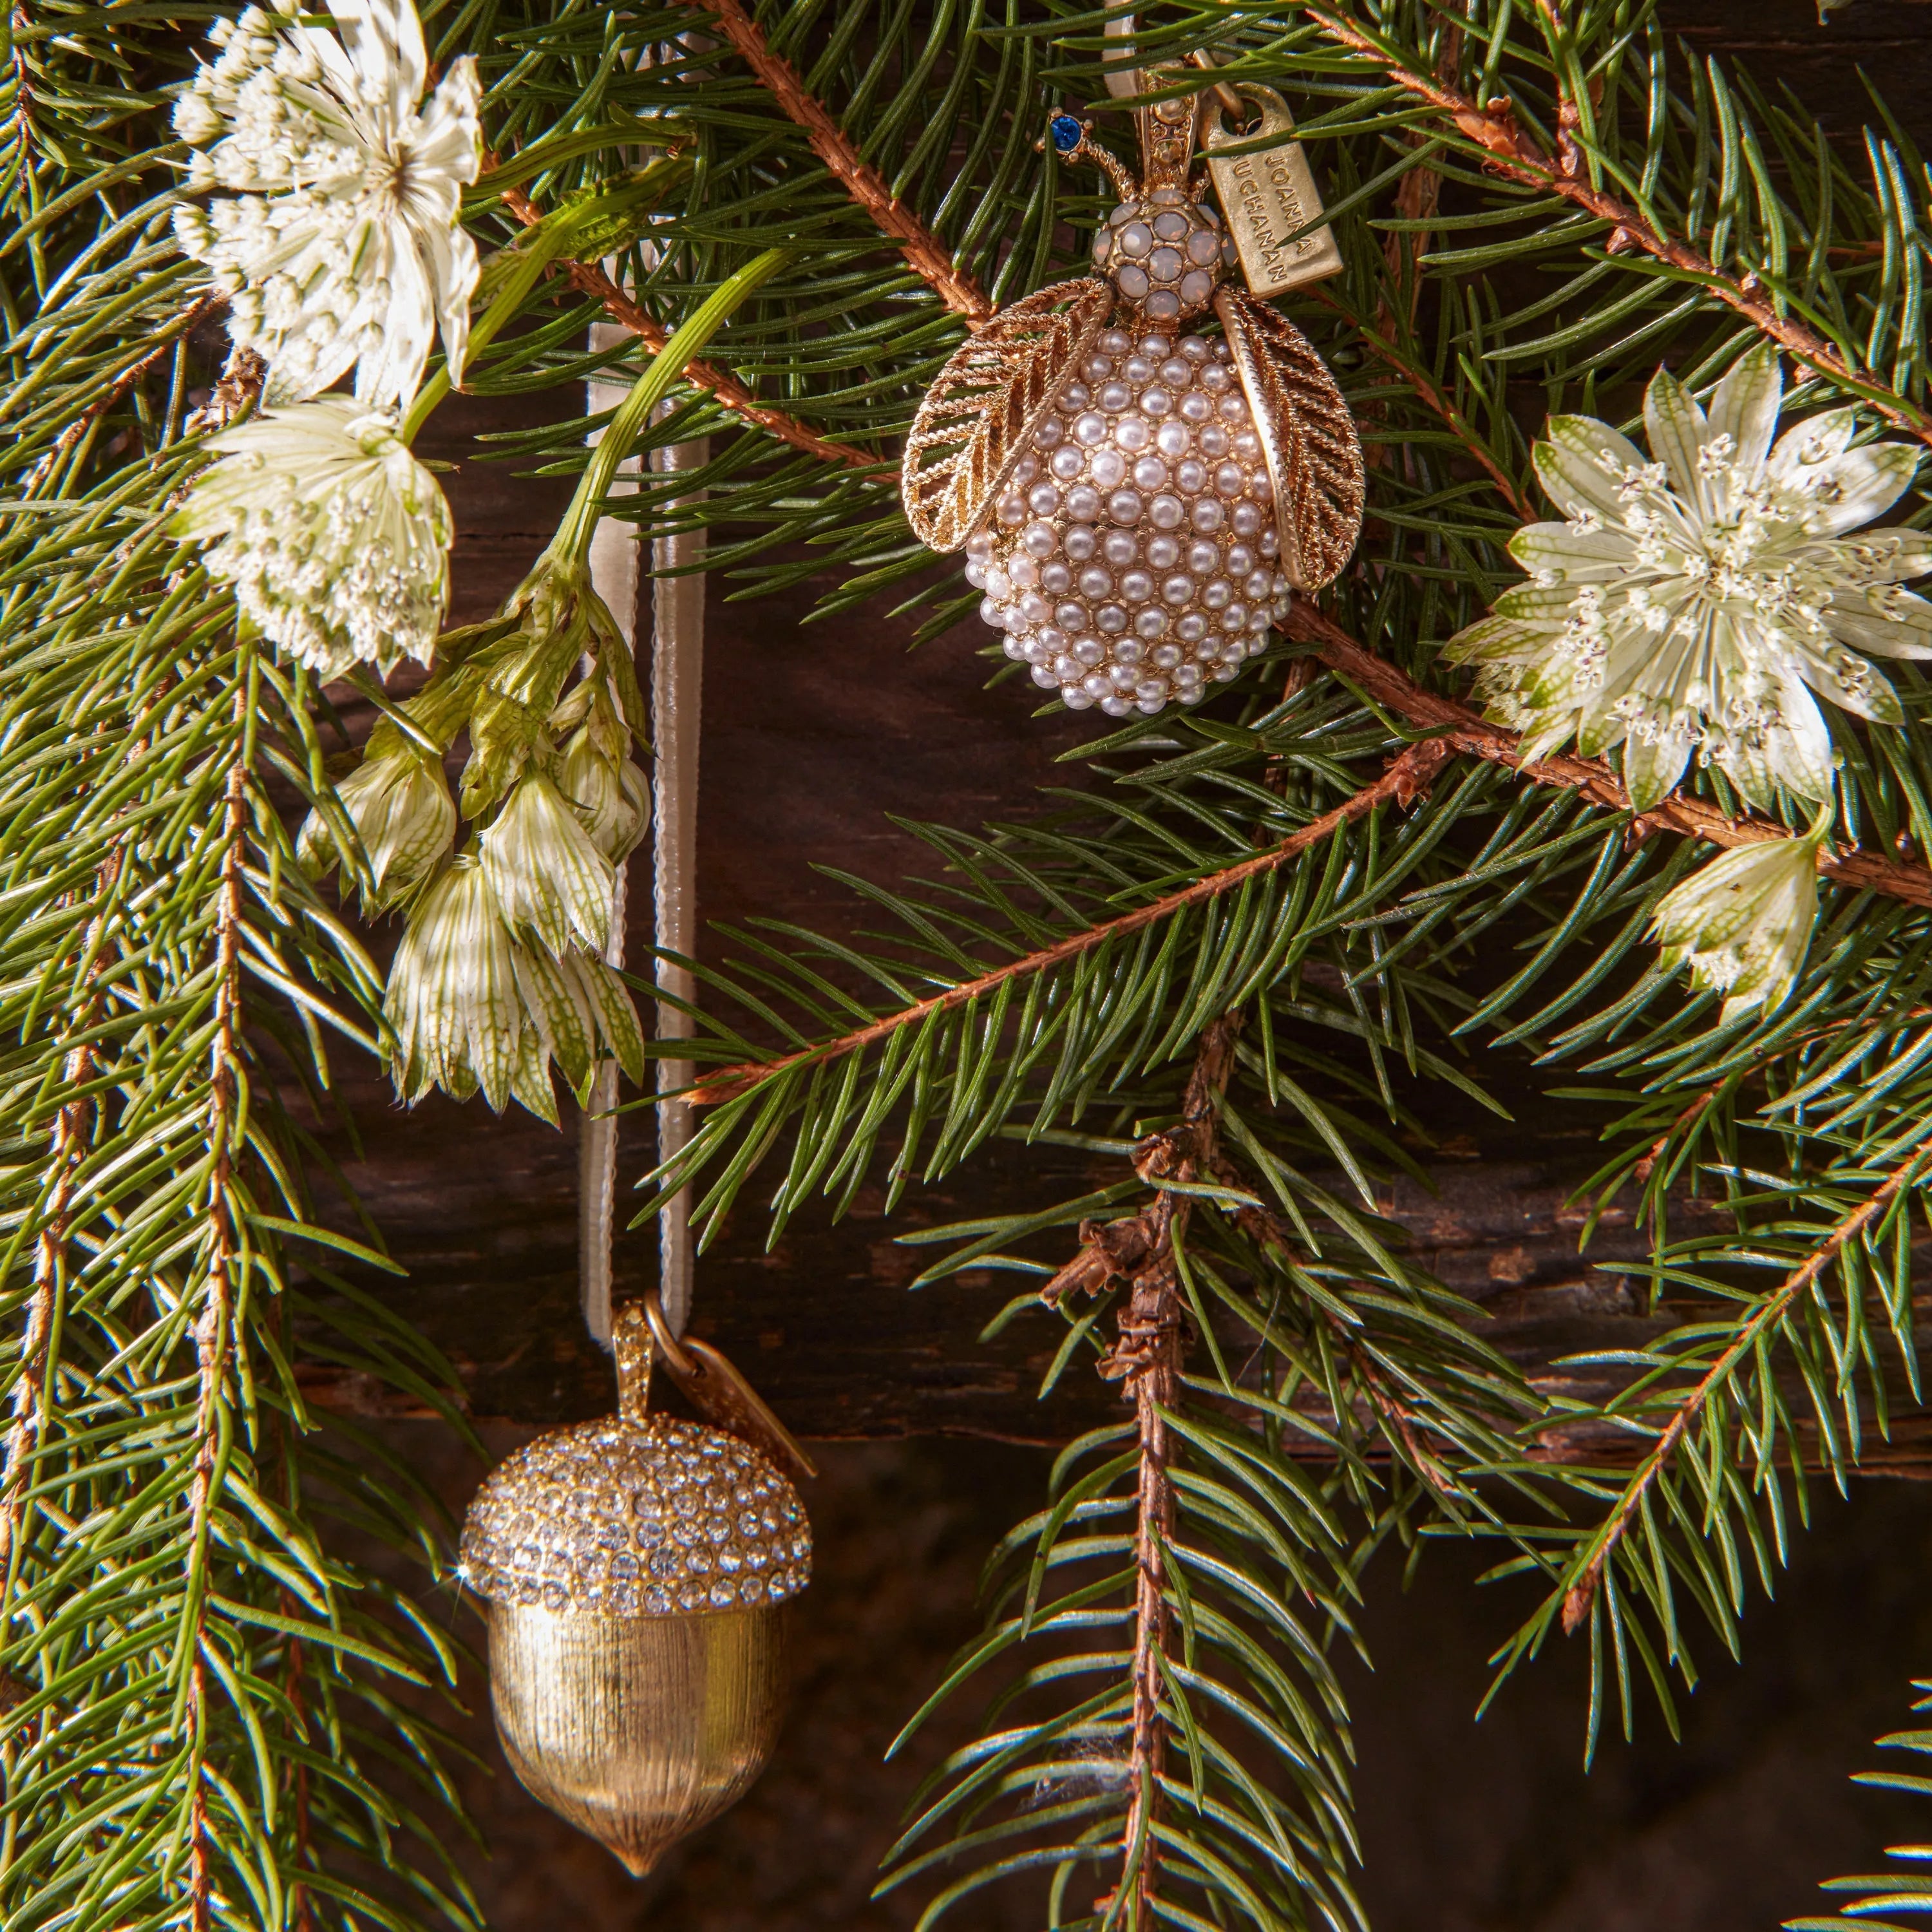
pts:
[336, 539]
[474, 1008]
[399, 802]
[335, 229]
[549, 878]
[1695, 598]
[609, 795]
[1742, 923]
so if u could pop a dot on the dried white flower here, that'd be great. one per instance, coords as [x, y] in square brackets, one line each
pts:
[473, 1008]
[1743, 922]
[337, 237]
[335, 539]
[1689, 601]
[398, 801]
[548, 876]
[609, 795]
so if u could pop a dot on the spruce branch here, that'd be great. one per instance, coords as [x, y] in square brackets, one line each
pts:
[1147, 1357]
[1466, 731]
[1408, 774]
[925, 252]
[1513, 153]
[589, 279]
[1586, 1570]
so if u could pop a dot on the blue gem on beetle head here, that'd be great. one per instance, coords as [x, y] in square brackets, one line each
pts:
[1066, 132]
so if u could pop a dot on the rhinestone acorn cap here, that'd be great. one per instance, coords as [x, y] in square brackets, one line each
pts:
[654, 1518]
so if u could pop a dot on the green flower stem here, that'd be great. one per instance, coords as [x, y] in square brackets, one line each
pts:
[571, 544]
[557, 234]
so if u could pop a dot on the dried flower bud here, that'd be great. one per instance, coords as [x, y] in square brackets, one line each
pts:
[400, 805]
[550, 880]
[1742, 923]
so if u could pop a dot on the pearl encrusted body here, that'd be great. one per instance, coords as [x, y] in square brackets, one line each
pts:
[1131, 559]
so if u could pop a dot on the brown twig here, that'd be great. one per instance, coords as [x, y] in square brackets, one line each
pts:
[1466, 731]
[926, 253]
[212, 1338]
[1146, 1358]
[1410, 772]
[590, 279]
[1513, 154]
[1578, 1598]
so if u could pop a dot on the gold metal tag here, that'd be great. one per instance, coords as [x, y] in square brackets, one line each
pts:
[1266, 197]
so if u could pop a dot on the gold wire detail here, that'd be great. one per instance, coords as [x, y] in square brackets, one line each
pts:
[978, 418]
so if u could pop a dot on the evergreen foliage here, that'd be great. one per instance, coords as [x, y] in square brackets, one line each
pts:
[1239, 958]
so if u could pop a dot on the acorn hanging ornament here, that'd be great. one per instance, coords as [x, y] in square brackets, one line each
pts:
[637, 1571]
[1137, 501]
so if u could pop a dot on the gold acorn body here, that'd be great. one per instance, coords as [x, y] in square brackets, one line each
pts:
[638, 1571]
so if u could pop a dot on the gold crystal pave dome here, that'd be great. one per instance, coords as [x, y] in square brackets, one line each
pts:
[621, 1520]
[1133, 556]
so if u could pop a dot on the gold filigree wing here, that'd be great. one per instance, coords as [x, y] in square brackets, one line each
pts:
[1314, 454]
[980, 416]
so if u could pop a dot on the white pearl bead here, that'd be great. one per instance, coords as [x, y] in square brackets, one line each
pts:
[1151, 622]
[1096, 368]
[1070, 616]
[1012, 646]
[1151, 473]
[1125, 506]
[1067, 668]
[1269, 545]
[1043, 677]
[1156, 402]
[1116, 342]
[1230, 479]
[1052, 430]
[1125, 676]
[1191, 628]
[1121, 547]
[1247, 444]
[1166, 513]
[1163, 552]
[1076, 396]
[1216, 595]
[1212, 441]
[1151, 690]
[1050, 639]
[1172, 438]
[1195, 349]
[1035, 651]
[1234, 618]
[1177, 590]
[1202, 556]
[1196, 407]
[1022, 568]
[1074, 698]
[1129, 651]
[1233, 409]
[1246, 519]
[1191, 476]
[1090, 428]
[1108, 467]
[1043, 498]
[979, 546]
[1025, 470]
[1165, 656]
[1133, 433]
[1110, 618]
[1055, 579]
[1240, 560]
[1012, 510]
[1186, 674]
[976, 574]
[1095, 583]
[997, 615]
[1259, 583]
[1034, 608]
[1097, 684]
[1115, 397]
[1067, 462]
[1083, 502]
[1079, 542]
[1115, 707]
[1137, 369]
[1089, 651]
[1137, 587]
[1155, 347]
[1207, 515]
